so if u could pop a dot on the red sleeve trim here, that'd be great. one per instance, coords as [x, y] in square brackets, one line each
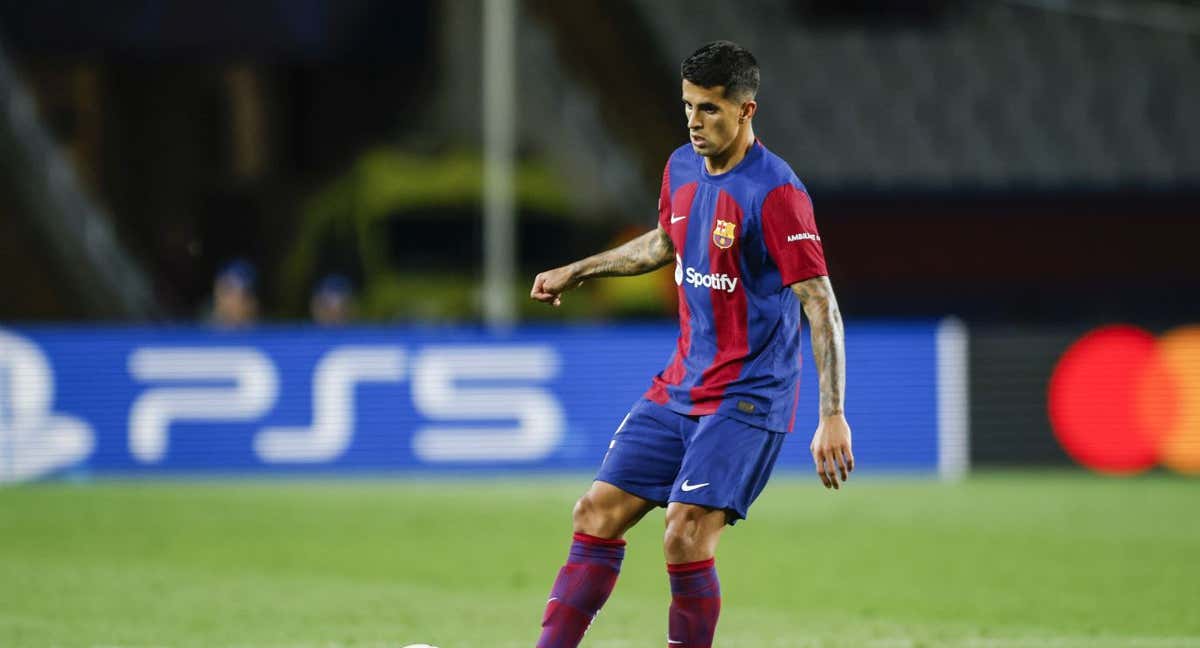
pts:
[664, 197]
[692, 566]
[797, 279]
[791, 236]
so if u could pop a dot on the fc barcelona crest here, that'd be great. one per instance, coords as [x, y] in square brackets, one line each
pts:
[724, 233]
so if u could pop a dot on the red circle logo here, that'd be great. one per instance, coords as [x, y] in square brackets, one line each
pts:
[1122, 401]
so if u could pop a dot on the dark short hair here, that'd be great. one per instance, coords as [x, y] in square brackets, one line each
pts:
[723, 63]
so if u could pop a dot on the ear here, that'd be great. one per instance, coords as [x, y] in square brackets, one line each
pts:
[747, 111]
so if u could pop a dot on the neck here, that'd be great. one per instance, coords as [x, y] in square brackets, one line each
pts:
[733, 155]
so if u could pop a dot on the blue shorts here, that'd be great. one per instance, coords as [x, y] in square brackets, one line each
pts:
[712, 461]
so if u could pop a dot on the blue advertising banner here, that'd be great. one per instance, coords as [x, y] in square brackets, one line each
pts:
[189, 400]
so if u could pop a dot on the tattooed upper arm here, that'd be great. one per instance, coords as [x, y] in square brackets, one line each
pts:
[662, 249]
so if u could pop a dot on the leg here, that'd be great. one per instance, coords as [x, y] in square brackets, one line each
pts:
[692, 532]
[606, 511]
[601, 517]
[636, 475]
[690, 544]
[725, 467]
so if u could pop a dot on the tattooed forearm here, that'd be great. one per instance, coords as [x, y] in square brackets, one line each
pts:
[828, 343]
[647, 252]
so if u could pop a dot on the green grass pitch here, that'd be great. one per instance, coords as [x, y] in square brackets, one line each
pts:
[1007, 559]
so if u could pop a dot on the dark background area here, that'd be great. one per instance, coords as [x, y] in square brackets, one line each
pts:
[203, 129]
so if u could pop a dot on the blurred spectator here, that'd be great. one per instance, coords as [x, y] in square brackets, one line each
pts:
[332, 301]
[235, 302]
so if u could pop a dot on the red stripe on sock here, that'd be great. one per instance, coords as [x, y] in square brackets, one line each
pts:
[692, 566]
[589, 539]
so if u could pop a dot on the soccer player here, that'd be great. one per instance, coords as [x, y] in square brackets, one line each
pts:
[739, 226]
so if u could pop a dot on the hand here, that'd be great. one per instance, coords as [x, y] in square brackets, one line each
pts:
[549, 286]
[831, 450]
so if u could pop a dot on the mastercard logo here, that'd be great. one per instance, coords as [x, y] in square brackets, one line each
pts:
[1122, 401]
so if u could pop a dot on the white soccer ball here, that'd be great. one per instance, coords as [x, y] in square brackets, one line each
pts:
[418, 646]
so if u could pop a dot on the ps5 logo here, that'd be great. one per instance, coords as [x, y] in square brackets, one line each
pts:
[457, 390]
[34, 439]
[473, 403]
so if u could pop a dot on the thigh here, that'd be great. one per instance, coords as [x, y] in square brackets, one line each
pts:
[646, 451]
[726, 465]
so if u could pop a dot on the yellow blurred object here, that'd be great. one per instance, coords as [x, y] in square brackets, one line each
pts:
[648, 295]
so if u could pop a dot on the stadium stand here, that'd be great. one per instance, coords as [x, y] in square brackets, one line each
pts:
[981, 96]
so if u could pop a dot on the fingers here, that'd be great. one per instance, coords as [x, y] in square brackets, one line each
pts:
[831, 470]
[821, 470]
[539, 293]
[840, 459]
[832, 464]
[536, 292]
[825, 468]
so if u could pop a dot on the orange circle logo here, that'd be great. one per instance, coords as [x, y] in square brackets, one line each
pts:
[1122, 401]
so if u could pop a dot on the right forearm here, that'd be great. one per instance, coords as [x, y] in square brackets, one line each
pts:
[828, 342]
[647, 252]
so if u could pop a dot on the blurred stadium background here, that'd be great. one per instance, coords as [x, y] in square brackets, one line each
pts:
[269, 377]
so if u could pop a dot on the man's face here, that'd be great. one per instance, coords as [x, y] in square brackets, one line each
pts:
[712, 118]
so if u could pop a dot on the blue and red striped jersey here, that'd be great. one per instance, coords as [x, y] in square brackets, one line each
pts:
[741, 238]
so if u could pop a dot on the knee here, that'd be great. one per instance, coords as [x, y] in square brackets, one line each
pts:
[682, 534]
[688, 536]
[592, 518]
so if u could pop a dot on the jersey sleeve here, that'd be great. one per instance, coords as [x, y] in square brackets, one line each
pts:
[790, 233]
[664, 197]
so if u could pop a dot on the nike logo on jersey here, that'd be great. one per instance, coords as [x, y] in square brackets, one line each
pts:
[676, 219]
[687, 488]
